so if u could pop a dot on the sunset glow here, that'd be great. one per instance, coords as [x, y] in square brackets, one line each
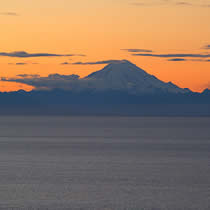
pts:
[100, 29]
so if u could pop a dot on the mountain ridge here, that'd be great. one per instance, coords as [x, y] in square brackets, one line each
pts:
[124, 75]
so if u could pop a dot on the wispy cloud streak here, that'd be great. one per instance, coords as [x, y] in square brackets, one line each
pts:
[23, 54]
[173, 55]
[136, 50]
[191, 60]
[207, 47]
[97, 62]
[9, 13]
[148, 3]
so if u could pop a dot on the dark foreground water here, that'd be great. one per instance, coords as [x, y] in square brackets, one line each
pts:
[103, 163]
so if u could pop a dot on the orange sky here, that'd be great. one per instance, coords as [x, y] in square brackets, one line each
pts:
[99, 29]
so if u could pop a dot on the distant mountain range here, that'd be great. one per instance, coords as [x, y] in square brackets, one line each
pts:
[120, 88]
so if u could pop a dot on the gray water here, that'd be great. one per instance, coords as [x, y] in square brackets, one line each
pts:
[103, 163]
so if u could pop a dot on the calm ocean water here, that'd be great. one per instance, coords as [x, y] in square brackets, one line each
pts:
[100, 163]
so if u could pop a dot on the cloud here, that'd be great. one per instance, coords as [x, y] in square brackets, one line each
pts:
[28, 75]
[22, 54]
[199, 60]
[144, 3]
[177, 59]
[183, 3]
[65, 63]
[136, 50]
[207, 47]
[9, 13]
[173, 56]
[147, 3]
[52, 81]
[191, 60]
[161, 3]
[22, 63]
[205, 5]
[97, 62]
[190, 55]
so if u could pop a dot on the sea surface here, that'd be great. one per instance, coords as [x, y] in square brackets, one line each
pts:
[104, 163]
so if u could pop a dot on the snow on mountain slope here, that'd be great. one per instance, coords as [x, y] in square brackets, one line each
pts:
[125, 76]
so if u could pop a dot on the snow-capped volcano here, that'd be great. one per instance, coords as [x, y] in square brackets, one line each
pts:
[125, 76]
